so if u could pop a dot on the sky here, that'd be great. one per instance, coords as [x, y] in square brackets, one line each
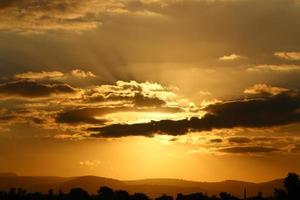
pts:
[204, 90]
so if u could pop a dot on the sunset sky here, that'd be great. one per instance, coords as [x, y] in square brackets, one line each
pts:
[204, 90]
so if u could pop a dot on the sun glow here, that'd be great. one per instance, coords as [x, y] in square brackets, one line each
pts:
[140, 117]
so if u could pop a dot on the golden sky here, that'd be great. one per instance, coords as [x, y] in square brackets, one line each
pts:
[202, 90]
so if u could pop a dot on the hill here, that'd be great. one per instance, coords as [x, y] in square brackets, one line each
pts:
[151, 187]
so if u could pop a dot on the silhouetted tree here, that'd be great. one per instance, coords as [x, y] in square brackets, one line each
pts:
[121, 194]
[227, 196]
[164, 197]
[50, 192]
[140, 196]
[105, 193]
[194, 196]
[78, 194]
[292, 186]
[280, 194]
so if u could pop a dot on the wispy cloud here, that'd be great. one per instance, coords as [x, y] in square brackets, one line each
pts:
[248, 150]
[288, 55]
[55, 75]
[265, 89]
[276, 68]
[231, 57]
[69, 15]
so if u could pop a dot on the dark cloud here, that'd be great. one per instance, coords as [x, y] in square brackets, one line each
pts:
[33, 89]
[94, 115]
[51, 15]
[270, 111]
[7, 118]
[248, 149]
[239, 140]
[218, 140]
[144, 101]
[7, 3]
[144, 129]
[82, 115]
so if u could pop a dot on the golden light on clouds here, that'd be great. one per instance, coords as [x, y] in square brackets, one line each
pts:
[150, 88]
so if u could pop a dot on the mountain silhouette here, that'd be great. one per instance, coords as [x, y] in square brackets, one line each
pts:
[151, 187]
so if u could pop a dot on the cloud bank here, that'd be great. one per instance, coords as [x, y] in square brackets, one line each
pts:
[269, 111]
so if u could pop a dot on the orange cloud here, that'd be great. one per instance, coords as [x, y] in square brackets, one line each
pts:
[288, 55]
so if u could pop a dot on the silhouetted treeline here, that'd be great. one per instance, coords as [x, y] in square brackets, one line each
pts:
[291, 191]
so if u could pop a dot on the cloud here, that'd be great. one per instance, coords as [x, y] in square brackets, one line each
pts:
[248, 149]
[6, 117]
[32, 89]
[144, 94]
[90, 163]
[40, 75]
[288, 55]
[239, 140]
[31, 15]
[69, 15]
[141, 101]
[265, 139]
[275, 68]
[169, 127]
[54, 75]
[295, 148]
[38, 100]
[231, 57]
[82, 74]
[217, 140]
[270, 111]
[265, 89]
[97, 115]
[204, 93]
[83, 115]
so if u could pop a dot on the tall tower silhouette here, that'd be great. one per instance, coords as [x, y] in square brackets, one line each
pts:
[245, 194]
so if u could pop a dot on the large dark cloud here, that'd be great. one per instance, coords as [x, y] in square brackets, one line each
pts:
[145, 129]
[33, 89]
[270, 111]
[95, 115]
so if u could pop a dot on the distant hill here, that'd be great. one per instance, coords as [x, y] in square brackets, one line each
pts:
[151, 187]
[174, 186]
[7, 174]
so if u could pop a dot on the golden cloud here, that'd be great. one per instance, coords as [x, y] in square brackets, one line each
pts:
[275, 68]
[288, 55]
[231, 57]
[265, 89]
[40, 16]
[55, 75]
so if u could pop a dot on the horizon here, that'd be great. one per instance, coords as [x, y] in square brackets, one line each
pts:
[202, 90]
[13, 174]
